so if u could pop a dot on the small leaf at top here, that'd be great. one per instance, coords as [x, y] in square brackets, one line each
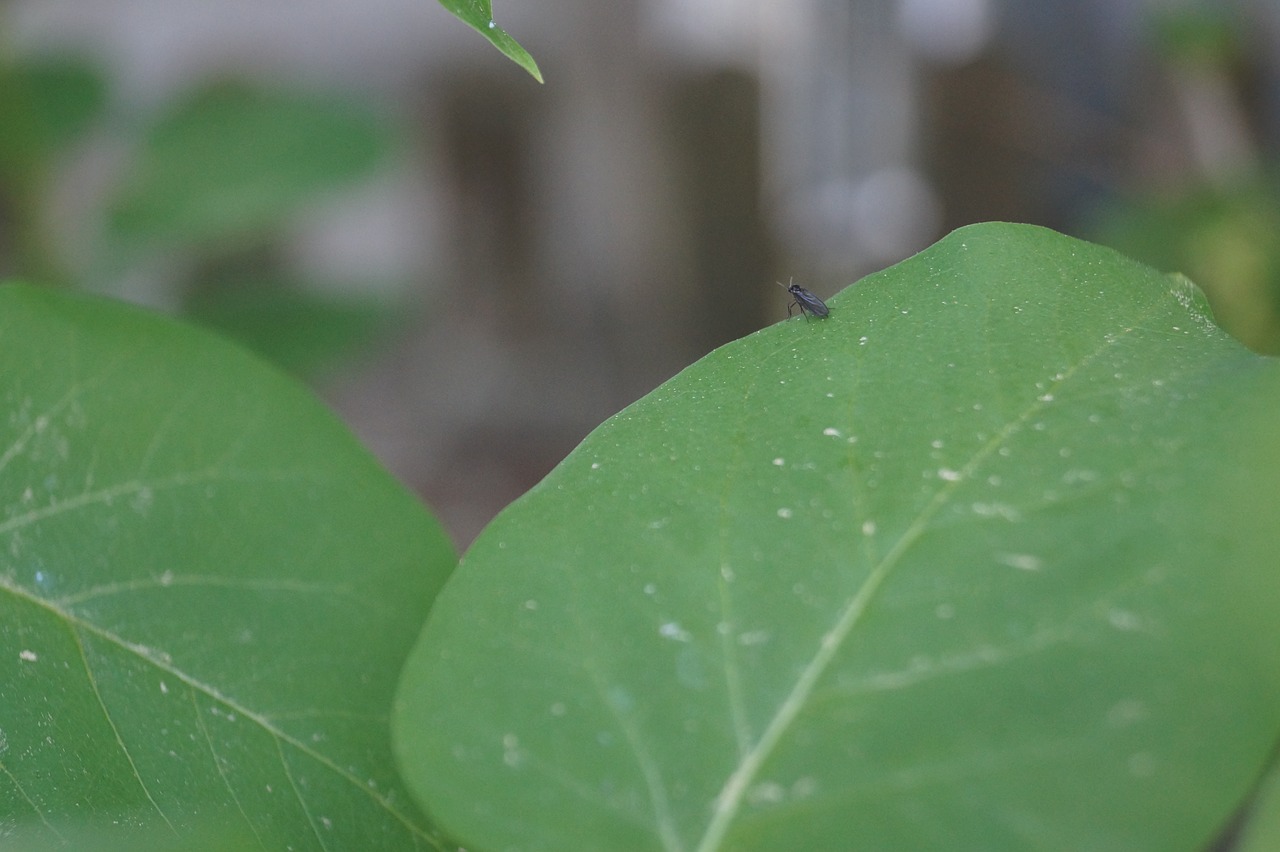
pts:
[479, 14]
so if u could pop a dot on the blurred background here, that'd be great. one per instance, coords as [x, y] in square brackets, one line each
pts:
[476, 270]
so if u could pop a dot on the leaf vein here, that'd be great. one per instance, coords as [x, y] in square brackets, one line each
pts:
[75, 623]
[217, 764]
[729, 801]
[115, 731]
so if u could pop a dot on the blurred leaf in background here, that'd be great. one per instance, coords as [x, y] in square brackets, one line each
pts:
[45, 105]
[1217, 220]
[221, 174]
[216, 179]
[1226, 240]
[305, 333]
[231, 160]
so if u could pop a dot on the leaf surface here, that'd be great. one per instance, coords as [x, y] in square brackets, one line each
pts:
[976, 563]
[478, 14]
[207, 588]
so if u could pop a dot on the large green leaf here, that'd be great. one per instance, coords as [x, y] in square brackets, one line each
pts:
[207, 588]
[230, 159]
[479, 15]
[971, 564]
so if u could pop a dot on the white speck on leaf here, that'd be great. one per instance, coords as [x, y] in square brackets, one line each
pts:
[996, 510]
[1123, 619]
[1126, 712]
[779, 462]
[1022, 561]
[868, 528]
[949, 475]
[674, 631]
[621, 699]
[831, 432]
[142, 501]
[28, 656]
[784, 513]
[511, 750]
[1142, 764]
[804, 787]
[766, 793]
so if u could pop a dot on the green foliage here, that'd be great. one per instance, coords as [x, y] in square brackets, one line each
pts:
[45, 106]
[986, 560]
[300, 332]
[1227, 239]
[207, 588]
[479, 15]
[231, 160]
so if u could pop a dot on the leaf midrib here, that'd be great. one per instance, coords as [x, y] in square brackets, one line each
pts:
[76, 624]
[728, 801]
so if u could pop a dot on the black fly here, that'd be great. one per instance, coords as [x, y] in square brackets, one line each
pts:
[805, 301]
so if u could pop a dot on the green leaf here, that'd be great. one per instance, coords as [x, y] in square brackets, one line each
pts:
[975, 563]
[232, 160]
[207, 588]
[304, 333]
[45, 105]
[479, 15]
[1227, 238]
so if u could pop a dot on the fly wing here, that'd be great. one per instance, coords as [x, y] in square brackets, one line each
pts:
[811, 303]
